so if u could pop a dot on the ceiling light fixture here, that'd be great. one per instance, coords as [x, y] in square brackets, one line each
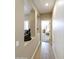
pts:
[46, 4]
[60, 2]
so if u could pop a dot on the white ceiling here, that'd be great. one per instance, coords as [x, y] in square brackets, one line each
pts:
[40, 4]
[27, 7]
[59, 10]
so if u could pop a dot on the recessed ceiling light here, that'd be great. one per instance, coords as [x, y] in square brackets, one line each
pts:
[46, 4]
[60, 2]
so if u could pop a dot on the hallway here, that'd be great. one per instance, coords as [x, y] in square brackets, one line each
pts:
[29, 29]
[44, 37]
[44, 52]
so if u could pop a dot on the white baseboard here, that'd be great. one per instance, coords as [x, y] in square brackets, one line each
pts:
[35, 50]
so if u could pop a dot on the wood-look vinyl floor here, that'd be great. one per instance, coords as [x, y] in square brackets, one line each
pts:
[44, 51]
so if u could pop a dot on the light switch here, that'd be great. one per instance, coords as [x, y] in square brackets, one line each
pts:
[17, 43]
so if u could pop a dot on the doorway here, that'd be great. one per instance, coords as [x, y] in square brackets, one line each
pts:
[45, 30]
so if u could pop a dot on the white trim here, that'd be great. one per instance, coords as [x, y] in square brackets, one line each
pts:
[35, 50]
[54, 52]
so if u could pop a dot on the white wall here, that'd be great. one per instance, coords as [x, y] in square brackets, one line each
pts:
[58, 29]
[24, 50]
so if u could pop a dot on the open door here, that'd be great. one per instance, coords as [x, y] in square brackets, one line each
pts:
[45, 30]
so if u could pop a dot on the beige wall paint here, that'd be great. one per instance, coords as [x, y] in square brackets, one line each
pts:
[19, 23]
[47, 16]
[58, 30]
[24, 49]
[32, 23]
